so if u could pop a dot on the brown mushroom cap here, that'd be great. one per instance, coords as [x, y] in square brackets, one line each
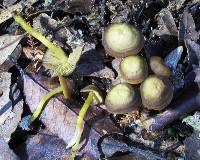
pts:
[121, 40]
[158, 67]
[134, 69]
[123, 98]
[156, 92]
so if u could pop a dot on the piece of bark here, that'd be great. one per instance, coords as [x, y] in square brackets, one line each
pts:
[5, 152]
[189, 102]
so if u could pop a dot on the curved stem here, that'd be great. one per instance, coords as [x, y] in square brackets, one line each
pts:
[64, 86]
[43, 101]
[80, 120]
[56, 50]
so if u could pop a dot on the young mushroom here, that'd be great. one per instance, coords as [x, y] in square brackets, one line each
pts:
[156, 92]
[121, 40]
[187, 103]
[55, 60]
[134, 69]
[158, 67]
[123, 98]
[95, 97]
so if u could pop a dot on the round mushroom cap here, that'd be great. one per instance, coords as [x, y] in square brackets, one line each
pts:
[158, 67]
[123, 98]
[156, 92]
[134, 69]
[121, 40]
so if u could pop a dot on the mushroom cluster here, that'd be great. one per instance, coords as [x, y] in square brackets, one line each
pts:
[146, 85]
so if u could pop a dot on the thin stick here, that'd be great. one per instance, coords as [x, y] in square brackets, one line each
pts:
[189, 102]
[64, 86]
[43, 101]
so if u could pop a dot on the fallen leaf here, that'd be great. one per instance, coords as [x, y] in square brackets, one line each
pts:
[192, 146]
[5, 152]
[7, 3]
[8, 44]
[16, 108]
[193, 53]
[83, 6]
[44, 146]
[173, 58]
[60, 119]
[187, 28]
[10, 12]
[5, 103]
[192, 77]
[166, 24]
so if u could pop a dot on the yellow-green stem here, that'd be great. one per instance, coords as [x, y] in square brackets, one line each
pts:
[43, 101]
[64, 86]
[80, 120]
[56, 50]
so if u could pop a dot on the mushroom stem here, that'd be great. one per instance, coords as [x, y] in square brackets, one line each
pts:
[64, 87]
[79, 124]
[43, 101]
[56, 50]
[189, 102]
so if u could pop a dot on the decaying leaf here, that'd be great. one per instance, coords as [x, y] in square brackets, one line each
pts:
[58, 118]
[7, 3]
[192, 147]
[193, 121]
[10, 12]
[45, 146]
[57, 31]
[16, 108]
[91, 64]
[187, 28]
[8, 43]
[193, 53]
[192, 77]
[6, 152]
[81, 6]
[173, 58]
[5, 103]
[166, 24]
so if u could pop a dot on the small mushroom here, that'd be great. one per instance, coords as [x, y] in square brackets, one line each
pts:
[98, 97]
[123, 98]
[158, 67]
[134, 69]
[156, 92]
[95, 97]
[121, 40]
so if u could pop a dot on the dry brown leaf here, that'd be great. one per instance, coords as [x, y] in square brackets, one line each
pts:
[8, 43]
[60, 120]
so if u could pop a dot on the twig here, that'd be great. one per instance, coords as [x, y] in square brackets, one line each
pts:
[189, 102]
